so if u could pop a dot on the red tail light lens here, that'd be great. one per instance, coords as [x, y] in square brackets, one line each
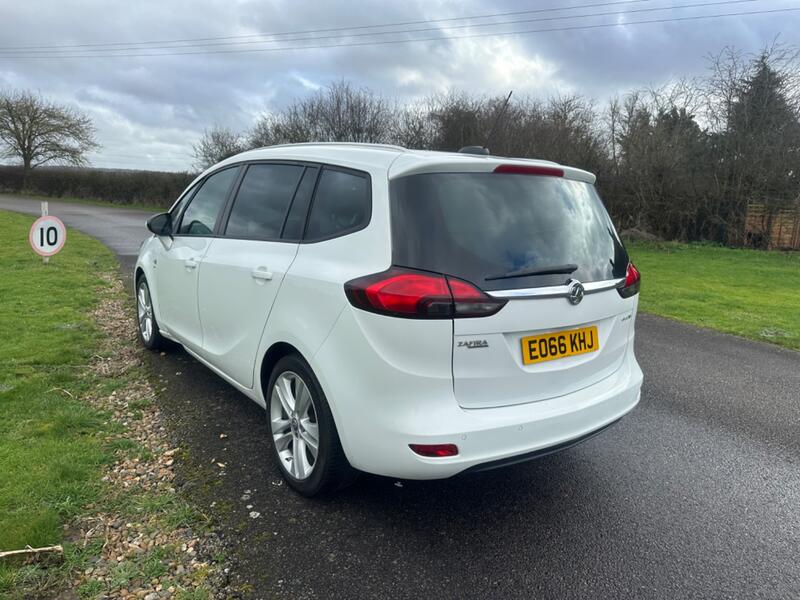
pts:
[402, 294]
[529, 170]
[419, 295]
[434, 450]
[632, 282]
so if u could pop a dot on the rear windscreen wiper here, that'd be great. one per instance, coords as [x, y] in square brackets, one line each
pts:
[554, 270]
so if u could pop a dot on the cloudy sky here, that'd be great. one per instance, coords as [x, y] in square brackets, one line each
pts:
[151, 93]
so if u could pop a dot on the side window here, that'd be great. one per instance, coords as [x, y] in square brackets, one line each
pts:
[263, 200]
[341, 205]
[201, 215]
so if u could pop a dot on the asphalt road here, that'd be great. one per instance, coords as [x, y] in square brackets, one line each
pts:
[696, 494]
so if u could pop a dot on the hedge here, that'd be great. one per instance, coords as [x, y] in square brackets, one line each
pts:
[153, 188]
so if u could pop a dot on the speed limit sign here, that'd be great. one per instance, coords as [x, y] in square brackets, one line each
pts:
[47, 235]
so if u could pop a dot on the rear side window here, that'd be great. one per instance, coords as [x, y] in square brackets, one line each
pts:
[200, 217]
[341, 205]
[494, 229]
[263, 200]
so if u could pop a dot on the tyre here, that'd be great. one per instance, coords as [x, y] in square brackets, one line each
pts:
[304, 438]
[147, 326]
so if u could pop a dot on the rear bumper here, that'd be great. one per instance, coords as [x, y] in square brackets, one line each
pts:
[380, 409]
[523, 432]
[542, 452]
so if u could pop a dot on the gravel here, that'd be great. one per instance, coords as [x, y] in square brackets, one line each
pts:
[142, 484]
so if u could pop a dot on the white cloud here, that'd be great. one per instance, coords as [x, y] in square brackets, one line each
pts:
[149, 111]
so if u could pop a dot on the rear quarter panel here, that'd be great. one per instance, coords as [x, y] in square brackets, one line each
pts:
[312, 295]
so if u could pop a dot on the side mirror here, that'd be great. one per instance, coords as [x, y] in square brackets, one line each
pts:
[160, 224]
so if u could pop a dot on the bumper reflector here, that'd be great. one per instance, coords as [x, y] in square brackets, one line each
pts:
[435, 450]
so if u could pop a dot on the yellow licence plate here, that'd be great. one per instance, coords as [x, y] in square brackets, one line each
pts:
[550, 346]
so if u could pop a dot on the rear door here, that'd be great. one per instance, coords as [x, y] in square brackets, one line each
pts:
[528, 239]
[244, 268]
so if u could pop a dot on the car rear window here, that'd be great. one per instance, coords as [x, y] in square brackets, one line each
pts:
[482, 226]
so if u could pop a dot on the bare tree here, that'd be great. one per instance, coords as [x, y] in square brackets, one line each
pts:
[293, 125]
[349, 114]
[265, 132]
[458, 120]
[339, 112]
[411, 126]
[38, 131]
[612, 122]
[217, 144]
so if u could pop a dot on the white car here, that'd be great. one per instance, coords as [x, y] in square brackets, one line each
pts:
[407, 313]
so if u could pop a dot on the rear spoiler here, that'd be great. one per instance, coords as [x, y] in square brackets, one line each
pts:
[409, 164]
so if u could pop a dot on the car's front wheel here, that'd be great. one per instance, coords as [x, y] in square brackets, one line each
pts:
[149, 333]
[304, 437]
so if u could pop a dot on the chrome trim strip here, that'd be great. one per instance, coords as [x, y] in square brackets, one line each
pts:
[558, 291]
[601, 286]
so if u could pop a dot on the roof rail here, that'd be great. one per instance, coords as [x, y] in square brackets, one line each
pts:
[356, 144]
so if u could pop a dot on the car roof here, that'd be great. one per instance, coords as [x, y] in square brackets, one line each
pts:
[395, 160]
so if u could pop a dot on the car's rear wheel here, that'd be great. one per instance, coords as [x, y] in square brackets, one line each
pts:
[149, 333]
[304, 438]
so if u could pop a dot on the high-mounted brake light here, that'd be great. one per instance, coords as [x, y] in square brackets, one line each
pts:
[632, 282]
[529, 170]
[413, 294]
[435, 450]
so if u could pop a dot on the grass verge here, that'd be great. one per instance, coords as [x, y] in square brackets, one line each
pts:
[50, 451]
[750, 293]
[83, 461]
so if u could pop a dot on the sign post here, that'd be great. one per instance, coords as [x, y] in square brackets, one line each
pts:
[47, 235]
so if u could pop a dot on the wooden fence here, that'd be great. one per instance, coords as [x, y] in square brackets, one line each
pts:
[779, 230]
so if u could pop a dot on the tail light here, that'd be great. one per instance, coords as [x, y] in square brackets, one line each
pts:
[414, 294]
[632, 281]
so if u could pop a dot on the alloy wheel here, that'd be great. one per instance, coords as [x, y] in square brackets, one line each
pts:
[144, 310]
[293, 420]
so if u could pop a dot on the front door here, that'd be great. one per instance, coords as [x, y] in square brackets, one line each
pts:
[177, 266]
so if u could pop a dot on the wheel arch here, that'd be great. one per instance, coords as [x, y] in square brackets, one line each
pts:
[137, 275]
[271, 357]
[141, 272]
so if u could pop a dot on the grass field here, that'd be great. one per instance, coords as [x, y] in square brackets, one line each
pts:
[49, 449]
[749, 293]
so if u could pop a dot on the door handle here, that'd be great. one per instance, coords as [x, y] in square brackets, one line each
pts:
[261, 273]
[191, 263]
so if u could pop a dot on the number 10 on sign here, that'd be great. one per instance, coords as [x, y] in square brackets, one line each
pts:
[47, 235]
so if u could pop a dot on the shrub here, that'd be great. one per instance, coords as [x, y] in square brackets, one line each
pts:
[154, 188]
